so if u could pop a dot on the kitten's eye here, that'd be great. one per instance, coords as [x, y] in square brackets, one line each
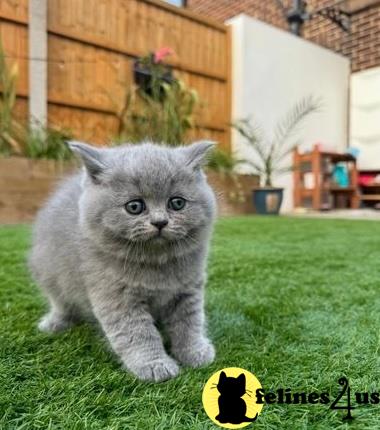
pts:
[176, 203]
[135, 207]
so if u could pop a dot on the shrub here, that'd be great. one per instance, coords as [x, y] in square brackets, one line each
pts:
[222, 162]
[48, 143]
[166, 116]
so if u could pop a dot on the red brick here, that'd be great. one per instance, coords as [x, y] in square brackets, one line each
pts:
[364, 38]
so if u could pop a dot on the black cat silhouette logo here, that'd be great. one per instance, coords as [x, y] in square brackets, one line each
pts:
[232, 407]
[229, 398]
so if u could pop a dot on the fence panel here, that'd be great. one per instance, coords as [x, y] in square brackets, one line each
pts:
[91, 48]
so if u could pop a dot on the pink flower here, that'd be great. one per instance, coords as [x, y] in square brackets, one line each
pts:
[162, 53]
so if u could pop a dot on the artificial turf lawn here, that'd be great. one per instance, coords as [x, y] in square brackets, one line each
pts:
[295, 301]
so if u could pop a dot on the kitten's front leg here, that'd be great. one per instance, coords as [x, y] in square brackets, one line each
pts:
[132, 334]
[184, 323]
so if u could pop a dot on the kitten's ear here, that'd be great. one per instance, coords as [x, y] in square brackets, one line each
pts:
[241, 379]
[92, 159]
[197, 152]
[222, 376]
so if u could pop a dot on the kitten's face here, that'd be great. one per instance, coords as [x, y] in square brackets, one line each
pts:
[148, 195]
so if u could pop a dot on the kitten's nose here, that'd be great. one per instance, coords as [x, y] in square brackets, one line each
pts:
[160, 224]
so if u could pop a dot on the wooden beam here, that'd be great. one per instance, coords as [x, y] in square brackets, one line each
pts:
[355, 6]
[73, 104]
[38, 62]
[13, 19]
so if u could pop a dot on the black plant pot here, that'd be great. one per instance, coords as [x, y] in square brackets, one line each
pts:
[267, 201]
[144, 79]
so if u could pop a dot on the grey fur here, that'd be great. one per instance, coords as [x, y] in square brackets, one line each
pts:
[93, 260]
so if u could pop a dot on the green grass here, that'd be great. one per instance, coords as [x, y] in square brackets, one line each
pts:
[295, 301]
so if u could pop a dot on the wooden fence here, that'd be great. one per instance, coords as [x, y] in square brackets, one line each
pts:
[91, 48]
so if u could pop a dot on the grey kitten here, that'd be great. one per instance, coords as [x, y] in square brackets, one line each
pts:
[125, 243]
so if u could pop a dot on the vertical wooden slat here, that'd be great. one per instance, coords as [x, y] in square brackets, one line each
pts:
[227, 54]
[316, 169]
[296, 179]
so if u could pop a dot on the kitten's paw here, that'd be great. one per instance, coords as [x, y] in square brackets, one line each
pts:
[157, 370]
[198, 354]
[53, 323]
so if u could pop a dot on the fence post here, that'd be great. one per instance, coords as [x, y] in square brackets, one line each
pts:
[38, 63]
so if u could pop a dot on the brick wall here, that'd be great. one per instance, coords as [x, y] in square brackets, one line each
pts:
[361, 45]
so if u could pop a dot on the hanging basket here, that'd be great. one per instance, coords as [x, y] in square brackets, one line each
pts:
[143, 77]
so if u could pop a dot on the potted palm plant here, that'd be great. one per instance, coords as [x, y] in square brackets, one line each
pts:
[270, 154]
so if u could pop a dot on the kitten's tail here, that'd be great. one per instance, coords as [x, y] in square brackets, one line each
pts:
[250, 420]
